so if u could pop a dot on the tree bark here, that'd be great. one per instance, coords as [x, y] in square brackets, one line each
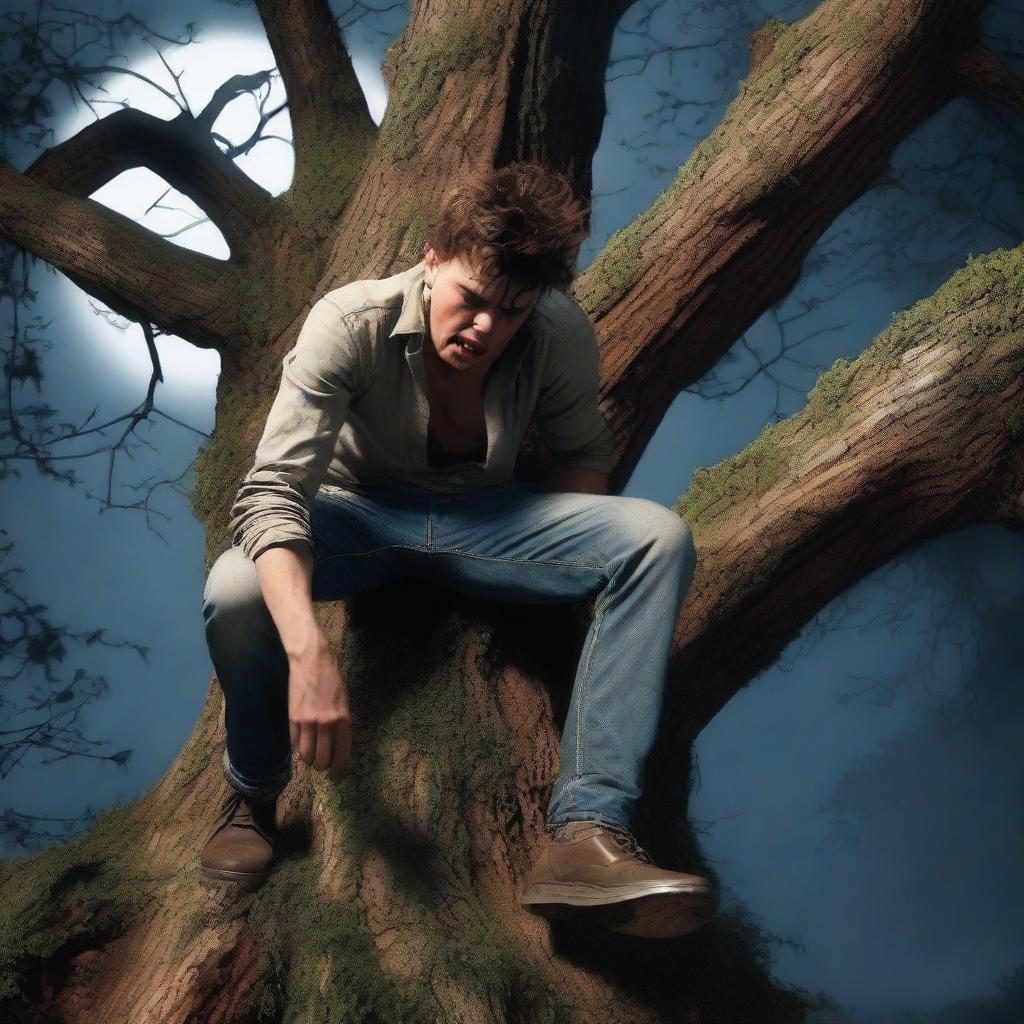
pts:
[180, 151]
[395, 893]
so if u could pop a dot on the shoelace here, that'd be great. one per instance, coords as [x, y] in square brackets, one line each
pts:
[624, 838]
[243, 818]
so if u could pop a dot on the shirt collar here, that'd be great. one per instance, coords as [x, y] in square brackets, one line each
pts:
[415, 304]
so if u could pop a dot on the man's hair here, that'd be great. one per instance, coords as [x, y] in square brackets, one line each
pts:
[520, 221]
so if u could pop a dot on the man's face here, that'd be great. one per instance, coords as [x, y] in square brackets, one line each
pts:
[465, 309]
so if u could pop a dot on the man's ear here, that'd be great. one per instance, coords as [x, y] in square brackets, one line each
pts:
[430, 261]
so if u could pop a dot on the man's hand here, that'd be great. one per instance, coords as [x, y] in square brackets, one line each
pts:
[318, 715]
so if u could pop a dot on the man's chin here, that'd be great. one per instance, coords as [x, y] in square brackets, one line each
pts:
[454, 356]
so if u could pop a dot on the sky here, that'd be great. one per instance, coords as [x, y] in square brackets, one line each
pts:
[863, 797]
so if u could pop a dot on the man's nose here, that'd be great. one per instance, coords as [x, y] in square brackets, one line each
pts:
[483, 322]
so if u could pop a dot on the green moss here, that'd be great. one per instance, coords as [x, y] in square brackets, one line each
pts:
[409, 703]
[425, 64]
[254, 301]
[738, 480]
[997, 276]
[196, 918]
[428, 703]
[321, 961]
[827, 399]
[706, 152]
[614, 271]
[333, 161]
[768, 33]
[301, 932]
[408, 232]
[69, 895]
[982, 301]
[254, 313]
[792, 43]
[479, 957]
[851, 32]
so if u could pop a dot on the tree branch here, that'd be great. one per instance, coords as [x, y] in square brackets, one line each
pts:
[331, 124]
[812, 128]
[922, 435]
[979, 67]
[555, 108]
[474, 85]
[181, 151]
[227, 92]
[136, 273]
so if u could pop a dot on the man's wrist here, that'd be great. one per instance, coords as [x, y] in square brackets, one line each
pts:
[310, 642]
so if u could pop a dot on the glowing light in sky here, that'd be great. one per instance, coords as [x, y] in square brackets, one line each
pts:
[147, 199]
[270, 163]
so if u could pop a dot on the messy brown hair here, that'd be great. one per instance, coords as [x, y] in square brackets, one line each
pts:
[521, 221]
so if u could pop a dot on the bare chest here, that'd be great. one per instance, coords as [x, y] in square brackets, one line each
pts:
[456, 429]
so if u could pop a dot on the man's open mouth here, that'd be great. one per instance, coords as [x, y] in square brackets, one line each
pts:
[468, 346]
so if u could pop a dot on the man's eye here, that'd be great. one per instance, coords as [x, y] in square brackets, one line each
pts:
[470, 301]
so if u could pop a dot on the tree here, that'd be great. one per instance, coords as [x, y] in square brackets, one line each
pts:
[398, 901]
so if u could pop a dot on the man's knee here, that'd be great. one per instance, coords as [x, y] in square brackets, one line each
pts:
[670, 532]
[232, 589]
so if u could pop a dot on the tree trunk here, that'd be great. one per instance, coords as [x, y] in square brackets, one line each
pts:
[395, 894]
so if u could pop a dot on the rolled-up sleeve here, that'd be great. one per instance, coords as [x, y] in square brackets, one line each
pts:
[319, 376]
[568, 416]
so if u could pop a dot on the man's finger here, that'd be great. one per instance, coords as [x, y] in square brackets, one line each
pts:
[293, 729]
[324, 747]
[307, 742]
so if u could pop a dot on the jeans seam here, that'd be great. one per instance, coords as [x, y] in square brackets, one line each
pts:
[582, 704]
[517, 561]
[372, 551]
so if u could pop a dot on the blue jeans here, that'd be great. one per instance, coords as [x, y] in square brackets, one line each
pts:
[512, 541]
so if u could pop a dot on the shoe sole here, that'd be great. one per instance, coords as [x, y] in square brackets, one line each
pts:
[238, 877]
[579, 894]
[659, 913]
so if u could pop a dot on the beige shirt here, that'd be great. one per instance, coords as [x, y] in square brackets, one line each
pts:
[352, 406]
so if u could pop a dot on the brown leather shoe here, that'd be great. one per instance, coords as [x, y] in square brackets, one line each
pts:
[241, 844]
[602, 873]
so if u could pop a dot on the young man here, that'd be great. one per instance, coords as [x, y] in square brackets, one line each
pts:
[389, 452]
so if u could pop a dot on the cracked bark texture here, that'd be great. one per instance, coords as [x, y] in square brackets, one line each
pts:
[395, 895]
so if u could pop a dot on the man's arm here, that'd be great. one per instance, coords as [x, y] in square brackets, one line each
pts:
[286, 579]
[571, 423]
[319, 720]
[318, 379]
[270, 523]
